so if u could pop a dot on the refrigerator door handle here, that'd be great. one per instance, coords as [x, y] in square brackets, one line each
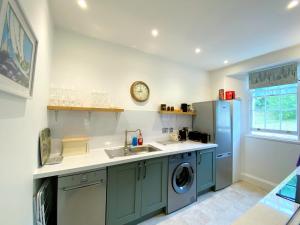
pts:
[227, 154]
[220, 155]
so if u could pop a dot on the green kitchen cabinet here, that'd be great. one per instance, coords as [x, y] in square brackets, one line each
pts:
[154, 185]
[205, 169]
[135, 190]
[123, 193]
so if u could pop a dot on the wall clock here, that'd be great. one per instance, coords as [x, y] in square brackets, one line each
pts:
[140, 91]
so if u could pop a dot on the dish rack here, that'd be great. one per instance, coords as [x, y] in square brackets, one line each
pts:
[43, 203]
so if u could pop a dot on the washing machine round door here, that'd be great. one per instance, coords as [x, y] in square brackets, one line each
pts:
[183, 178]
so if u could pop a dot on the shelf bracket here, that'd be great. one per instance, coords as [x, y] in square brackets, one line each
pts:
[90, 115]
[56, 115]
[117, 115]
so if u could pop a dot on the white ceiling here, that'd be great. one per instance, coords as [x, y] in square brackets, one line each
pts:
[224, 29]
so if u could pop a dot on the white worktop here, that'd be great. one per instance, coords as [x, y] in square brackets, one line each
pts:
[97, 158]
[271, 210]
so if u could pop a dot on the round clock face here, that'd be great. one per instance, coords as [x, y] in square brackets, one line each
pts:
[140, 91]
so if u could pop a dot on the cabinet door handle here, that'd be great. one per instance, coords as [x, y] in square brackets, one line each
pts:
[145, 170]
[139, 171]
[200, 159]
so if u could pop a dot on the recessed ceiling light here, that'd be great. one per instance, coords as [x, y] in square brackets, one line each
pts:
[197, 50]
[292, 4]
[226, 61]
[82, 4]
[154, 32]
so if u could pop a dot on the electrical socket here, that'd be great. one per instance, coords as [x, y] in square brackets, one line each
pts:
[164, 130]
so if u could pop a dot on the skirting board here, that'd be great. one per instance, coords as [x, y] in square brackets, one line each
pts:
[262, 183]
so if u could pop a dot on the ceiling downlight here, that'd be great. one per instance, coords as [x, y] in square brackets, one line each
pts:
[292, 4]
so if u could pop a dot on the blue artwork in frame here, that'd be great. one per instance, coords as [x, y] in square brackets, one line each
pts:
[18, 47]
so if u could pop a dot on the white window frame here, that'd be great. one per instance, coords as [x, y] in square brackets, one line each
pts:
[279, 132]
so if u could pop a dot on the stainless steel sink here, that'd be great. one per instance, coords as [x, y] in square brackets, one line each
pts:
[120, 152]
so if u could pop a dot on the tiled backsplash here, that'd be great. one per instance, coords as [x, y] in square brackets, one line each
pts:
[107, 129]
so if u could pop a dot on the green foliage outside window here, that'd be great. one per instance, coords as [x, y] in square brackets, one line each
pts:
[275, 108]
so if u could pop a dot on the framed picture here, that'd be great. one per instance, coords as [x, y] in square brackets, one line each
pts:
[18, 47]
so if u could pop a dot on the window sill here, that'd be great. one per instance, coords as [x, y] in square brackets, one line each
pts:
[279, 138]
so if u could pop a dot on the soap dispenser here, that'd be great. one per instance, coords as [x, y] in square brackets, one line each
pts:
[140, 138]
[134, 141]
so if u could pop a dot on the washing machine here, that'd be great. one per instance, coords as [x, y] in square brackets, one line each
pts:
[181, 181]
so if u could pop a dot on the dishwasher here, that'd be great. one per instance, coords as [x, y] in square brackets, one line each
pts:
[81, 198]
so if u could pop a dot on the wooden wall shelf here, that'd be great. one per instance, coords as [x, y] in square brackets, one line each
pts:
[87, 109]
[178, 113]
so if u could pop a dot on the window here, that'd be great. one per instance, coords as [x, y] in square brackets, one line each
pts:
[274, 109]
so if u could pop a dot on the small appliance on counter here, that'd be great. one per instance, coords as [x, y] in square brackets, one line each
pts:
[198, 136]
[183, 133]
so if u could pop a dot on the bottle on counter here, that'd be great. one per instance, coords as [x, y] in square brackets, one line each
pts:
[134, 141]
[140, 139]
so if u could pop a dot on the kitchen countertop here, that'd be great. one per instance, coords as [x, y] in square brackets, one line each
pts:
[97, 158]
[271, 210]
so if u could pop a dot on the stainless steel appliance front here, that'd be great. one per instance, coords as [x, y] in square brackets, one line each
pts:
[82, 199]
[181, 181]
[214, 118]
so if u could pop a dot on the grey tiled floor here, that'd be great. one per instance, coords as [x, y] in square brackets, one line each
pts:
[214, 208]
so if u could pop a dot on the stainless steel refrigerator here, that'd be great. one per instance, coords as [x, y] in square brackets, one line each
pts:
[214, 118]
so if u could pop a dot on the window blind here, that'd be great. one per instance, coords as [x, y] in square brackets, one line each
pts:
[279, 75]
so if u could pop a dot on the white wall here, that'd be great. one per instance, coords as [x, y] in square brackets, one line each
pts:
[89, 64]
[107, 129]
[267, 162]
[86, 63]
[20, 122]
[263, 162]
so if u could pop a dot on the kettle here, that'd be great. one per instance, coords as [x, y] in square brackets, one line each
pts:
[183, 133]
